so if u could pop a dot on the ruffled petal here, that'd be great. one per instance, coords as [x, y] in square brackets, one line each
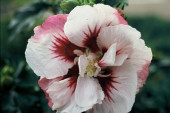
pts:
[123, 35]
[128, 44]
[120, 88]
[44, 84]
[88, 92]
[84, 24]
[60, 93]
[72, 107]
[49, 53]
[119, 60]
[141, 58]
[109, 57]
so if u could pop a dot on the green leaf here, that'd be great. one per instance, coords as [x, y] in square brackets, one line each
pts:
[19, 68]
[68, 5]
[26, 17]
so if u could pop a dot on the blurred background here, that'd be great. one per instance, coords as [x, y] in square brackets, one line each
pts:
[19, 91]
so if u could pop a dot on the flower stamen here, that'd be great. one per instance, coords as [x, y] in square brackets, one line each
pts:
[92, 68]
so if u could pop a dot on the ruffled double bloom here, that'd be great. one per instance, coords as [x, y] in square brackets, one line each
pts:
[89, 61]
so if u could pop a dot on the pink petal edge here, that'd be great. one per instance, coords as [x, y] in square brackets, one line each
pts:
[121, 19]
[44, 83]
[143, 74]
[52, 24]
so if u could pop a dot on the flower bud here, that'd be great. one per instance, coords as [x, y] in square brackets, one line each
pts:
[6, 76]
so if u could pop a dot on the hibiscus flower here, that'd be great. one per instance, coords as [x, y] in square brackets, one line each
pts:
[89, 61]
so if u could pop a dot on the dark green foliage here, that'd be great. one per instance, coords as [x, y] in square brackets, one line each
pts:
[19, 91]
[26, 17]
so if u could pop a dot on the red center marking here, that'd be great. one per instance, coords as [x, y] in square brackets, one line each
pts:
[73, 74]
[63, 48]
[107, 83]
[90, 40]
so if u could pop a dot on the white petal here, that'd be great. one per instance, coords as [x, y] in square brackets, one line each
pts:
[141, 57]
[141, 51]
[124, 91]
[88, 92]
[123, 35]
[44, 84]
[72, 107]
[109, 57]
[86, 20]
[82, 63]
[120, 59]
[60, 93]
[42, 61]
[102, 108]
[128, 42]
[39, 54]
